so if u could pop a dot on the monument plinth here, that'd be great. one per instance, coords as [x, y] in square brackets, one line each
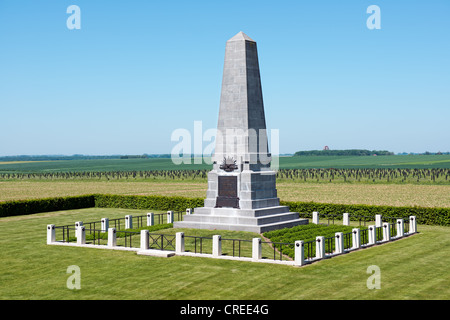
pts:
[241, 191]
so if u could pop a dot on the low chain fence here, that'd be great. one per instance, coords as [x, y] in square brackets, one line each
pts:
[161, 241]
[237, 247]
[65, 233]
[280, 250]
[196, 244]
[309, 250]
[127, 222]
[297, 253]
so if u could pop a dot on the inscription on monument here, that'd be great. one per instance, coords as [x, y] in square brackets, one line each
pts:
[228, 186]
[227, 192]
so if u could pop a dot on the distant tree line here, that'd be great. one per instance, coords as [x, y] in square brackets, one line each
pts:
[144, 156]
[351, 152]
[55, 157]
[79, 157]
[426, 153]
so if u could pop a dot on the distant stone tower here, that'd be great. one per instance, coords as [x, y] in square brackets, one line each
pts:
[242, 191]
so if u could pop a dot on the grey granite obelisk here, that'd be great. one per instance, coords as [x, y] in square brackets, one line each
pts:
[242, 191]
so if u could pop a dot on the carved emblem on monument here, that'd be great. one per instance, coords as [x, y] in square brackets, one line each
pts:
[228, 164]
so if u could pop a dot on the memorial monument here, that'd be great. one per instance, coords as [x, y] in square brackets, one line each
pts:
[241, 193]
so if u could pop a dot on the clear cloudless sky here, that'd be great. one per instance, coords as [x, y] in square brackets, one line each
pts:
[138, 70]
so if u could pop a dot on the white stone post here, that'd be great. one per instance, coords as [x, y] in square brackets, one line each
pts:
[386, 232]
[256, 249]
[51, 235]
[169, 216]
[105, 224]
[129, 221]
[179, 242]
[339, 242]
[378, 221]
[372, 232]
[150, 219]
[320, 247]
[189, 211]
[299, 254]
[77, 224]
[112, 237]
[345, 219]
[81, 235]
[217, 246]
[315, 219]
[400, 228]
[356, 238]
[412, 224]
[144, 239]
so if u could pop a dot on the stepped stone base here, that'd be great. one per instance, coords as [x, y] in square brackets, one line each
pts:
[253, 220]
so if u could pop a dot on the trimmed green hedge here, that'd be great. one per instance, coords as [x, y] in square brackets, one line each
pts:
[147, 202]
[23, 207]
[430, 216]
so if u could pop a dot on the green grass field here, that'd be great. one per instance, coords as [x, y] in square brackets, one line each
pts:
[302, 162]
[413, 268]
[343, 162]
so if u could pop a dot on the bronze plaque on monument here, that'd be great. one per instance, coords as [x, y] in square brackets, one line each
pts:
[227, 192]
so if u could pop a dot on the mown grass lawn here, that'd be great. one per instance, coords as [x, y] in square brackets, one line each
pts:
[413, 268]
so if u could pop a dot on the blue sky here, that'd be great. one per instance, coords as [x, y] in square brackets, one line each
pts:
[138, 70]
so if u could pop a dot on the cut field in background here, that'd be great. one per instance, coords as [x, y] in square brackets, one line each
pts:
[371, 194]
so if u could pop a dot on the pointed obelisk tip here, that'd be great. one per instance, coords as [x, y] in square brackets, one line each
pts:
[240, 36]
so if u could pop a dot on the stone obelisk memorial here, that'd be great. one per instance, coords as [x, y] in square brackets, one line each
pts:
[242, 192]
